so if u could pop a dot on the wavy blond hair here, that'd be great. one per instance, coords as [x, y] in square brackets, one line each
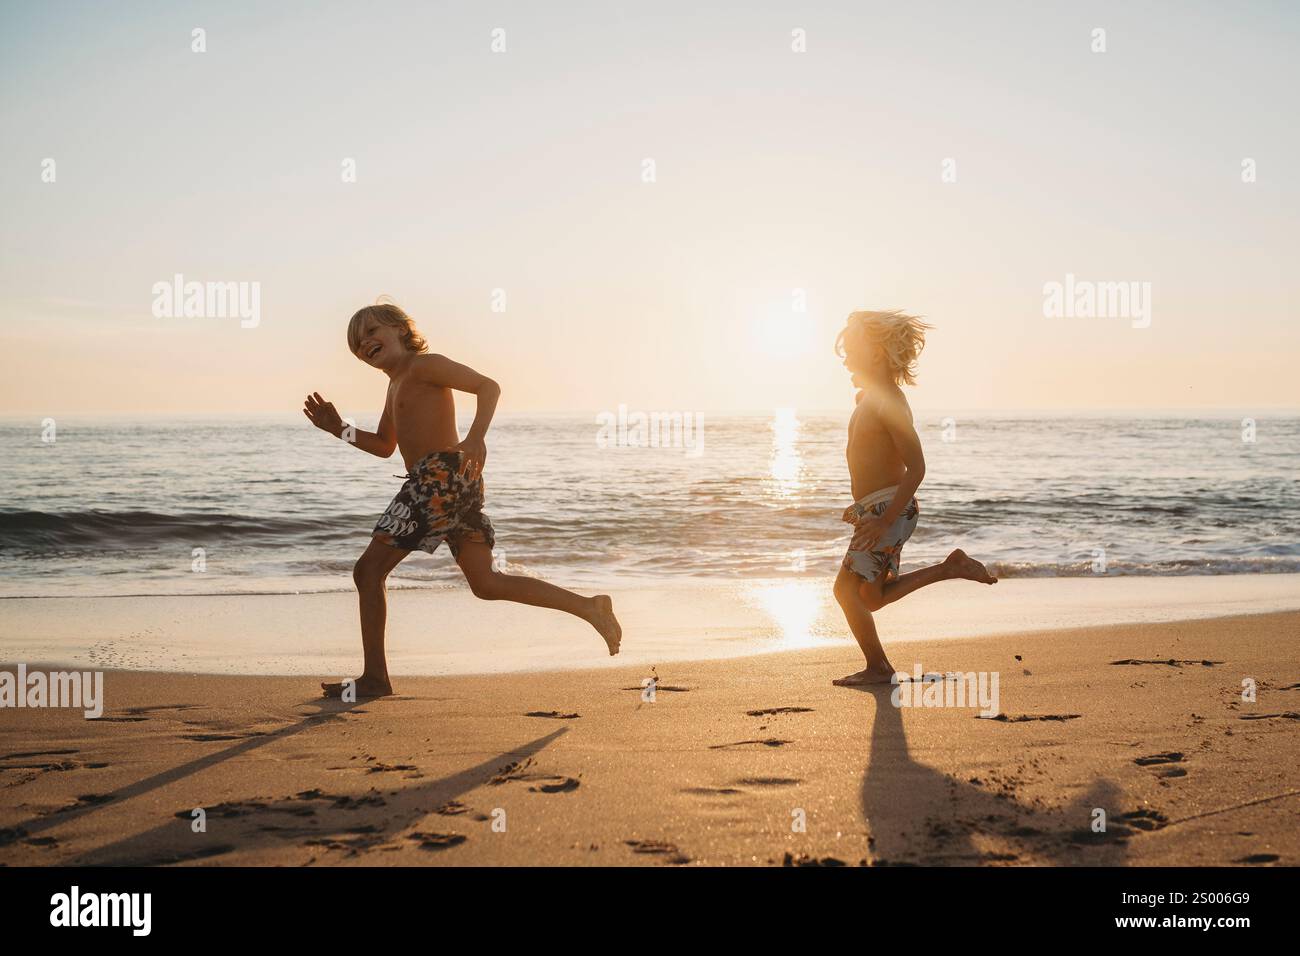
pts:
[386, 313]
[900, 336]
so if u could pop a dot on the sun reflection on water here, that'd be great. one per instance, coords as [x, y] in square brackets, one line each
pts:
[787, 463]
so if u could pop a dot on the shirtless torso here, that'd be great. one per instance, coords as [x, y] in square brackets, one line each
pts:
[873, 456]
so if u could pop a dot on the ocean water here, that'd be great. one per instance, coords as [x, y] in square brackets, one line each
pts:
[273, 505]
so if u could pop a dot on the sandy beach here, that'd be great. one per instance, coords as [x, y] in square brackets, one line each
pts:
[752, 760]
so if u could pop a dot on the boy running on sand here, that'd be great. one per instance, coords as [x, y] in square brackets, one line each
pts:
[442, 498]
[886, 466]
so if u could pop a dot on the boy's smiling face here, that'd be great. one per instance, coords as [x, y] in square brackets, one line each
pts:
[381, 345]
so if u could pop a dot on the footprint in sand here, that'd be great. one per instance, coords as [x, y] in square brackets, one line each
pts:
[1259, 858]
[553, 783]
[1171, 662]
[1122, 826]
[769, 782]
[769, 742]
[37, 753]
[30, 763]
[436, 841]
[378, 766]
[353, 845]
[243, 808]
[1144, 819]
[803, 859]
[511, 771]
[87, 800]
[1171, 756]
[658, 848]
[158, 707]
[167, 859]
[1286, 715]
[341, 801]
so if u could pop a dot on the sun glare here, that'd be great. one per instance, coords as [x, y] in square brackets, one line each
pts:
[793, 607]
[786, 466]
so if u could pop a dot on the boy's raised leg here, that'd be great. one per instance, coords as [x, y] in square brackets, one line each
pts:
[958, 565]
[475, 560]
[369, 573]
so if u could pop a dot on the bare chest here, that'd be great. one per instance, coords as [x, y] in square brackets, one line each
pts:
[412, 403]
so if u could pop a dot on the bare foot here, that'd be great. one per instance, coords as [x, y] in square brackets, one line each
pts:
[604, 621]
[964, 566]
[868, 675]
[366, 687]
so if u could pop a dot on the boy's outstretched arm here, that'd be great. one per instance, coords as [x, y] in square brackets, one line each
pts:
[440, 370]
[324, 416]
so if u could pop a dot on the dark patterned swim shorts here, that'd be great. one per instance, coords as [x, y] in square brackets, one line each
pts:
[436, 504]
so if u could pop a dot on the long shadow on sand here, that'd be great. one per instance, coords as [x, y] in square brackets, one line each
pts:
[328, 713]
[920, 816]
[309, 818]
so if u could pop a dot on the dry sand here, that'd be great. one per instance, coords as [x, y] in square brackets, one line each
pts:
[573, 767]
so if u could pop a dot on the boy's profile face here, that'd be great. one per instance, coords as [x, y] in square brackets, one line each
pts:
[860, 353]
[380, 345]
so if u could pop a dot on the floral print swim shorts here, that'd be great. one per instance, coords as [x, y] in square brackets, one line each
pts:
[883, 556]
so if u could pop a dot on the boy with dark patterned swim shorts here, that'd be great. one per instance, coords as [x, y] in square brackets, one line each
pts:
[442, 497]
[886, 466]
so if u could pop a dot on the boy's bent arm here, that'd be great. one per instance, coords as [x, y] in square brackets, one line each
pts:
[383, 440]
[897, 419]
[440, 370]
[372, 442]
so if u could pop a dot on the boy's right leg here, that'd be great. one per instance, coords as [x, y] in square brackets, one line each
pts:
[863, 626]
[957, 565]
[475, 560]
[369, 573]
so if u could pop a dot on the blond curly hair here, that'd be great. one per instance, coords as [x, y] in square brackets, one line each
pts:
[900, 336]
[386, 313]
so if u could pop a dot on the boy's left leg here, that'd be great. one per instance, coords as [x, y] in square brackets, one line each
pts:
[369, 574]
[863, 626]
[475, 560]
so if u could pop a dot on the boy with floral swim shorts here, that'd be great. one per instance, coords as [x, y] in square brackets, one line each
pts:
[886, 466]
[442, 497]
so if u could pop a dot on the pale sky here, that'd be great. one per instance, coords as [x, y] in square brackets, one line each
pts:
[775, 171]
